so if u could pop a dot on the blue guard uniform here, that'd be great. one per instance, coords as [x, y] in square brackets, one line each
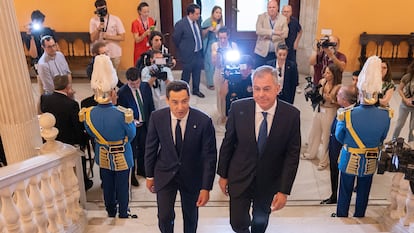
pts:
[113, 129]
[361, 130]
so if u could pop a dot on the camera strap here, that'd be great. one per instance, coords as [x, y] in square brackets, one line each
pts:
[107, 23]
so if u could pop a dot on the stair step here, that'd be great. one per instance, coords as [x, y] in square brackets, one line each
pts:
[214, 220]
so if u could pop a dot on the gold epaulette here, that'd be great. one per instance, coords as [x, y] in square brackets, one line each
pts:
[128, 113]
[340, 113]
[390, 111]
[82, 113]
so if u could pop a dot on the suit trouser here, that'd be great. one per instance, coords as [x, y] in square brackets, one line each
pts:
[116, 191]
[346, 187]
[166, 200]
[334, 150]
[138, 150]
[240, 211]
[193, 68]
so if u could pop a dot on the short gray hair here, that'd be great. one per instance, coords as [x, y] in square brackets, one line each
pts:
[265, 69]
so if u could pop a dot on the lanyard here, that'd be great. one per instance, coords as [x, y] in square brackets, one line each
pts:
[143, 25]
[272, 23]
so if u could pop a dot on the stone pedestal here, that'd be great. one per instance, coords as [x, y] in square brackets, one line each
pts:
[19, 126]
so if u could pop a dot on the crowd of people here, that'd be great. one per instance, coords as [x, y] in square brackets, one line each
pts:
[148, 128]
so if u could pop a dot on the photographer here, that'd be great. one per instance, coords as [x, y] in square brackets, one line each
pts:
[323, 118]
[110, 29]
[325, 53]
[158, 75]
[242, 88]
[219, 50]
[156, 42]
[35, 32]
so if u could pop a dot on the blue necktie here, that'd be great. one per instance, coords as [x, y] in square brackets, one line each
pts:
[198, 41]
[261, 139]
[178, 137]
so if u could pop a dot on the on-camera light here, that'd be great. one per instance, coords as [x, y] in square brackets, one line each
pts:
[35, 26]
[232, 56]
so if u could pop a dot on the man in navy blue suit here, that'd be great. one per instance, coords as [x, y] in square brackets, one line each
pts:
[187, 39]
[259, 155]
[287, 73]
[137, 95]
[180, 155]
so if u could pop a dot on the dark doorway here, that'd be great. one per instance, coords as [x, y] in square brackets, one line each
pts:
[246, 39]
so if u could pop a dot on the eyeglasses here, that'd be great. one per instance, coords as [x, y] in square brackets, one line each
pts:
[51, 46]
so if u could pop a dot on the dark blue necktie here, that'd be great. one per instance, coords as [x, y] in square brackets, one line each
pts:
[178, 137]
[198, 41]
[261, 139]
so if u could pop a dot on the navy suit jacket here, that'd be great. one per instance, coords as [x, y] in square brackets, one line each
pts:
[195, 166]
[291, 80]
[239, 160]
[66, 112]
[183, 38]
[127, 99]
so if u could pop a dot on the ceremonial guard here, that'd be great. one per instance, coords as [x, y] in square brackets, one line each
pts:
[112, 129]
[361, 130]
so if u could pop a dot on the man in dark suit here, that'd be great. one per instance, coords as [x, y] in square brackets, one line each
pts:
[187, 39]
[180, 155]
[65, 110]
[287, 73]
[259, 155]
[137, 95]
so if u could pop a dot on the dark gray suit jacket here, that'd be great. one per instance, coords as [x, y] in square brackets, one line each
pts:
[197, 164]
[183, 38]
[239, 161]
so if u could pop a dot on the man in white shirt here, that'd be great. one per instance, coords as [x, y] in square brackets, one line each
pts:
[108, 28]
[51, 64]
[158, 75]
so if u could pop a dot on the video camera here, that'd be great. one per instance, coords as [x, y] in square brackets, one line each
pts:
[156, 71]
[397, 157]
[312, 93]
[230, 62]
[325, 43]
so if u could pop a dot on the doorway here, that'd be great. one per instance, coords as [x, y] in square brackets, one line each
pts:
[239, 16]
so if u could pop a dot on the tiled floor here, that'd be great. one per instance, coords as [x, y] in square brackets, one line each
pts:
[302, 214]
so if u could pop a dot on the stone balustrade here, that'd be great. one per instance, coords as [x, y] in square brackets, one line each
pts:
[42, 194]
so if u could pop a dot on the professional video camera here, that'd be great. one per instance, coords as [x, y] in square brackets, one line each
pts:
[156, 71]
[312, 93]
[325, 43]
[397, 157]
[230, 61]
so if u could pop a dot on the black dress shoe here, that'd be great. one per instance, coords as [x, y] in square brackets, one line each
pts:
[328, 201]
[134, 181]
[333, 215]
[199, 94]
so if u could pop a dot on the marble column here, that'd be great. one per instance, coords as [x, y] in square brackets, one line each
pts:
[308, 19]
[19, 126]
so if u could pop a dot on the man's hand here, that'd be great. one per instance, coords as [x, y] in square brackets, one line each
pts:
[279, 201]
[150, 185]
[203, 198]
[223, 183]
